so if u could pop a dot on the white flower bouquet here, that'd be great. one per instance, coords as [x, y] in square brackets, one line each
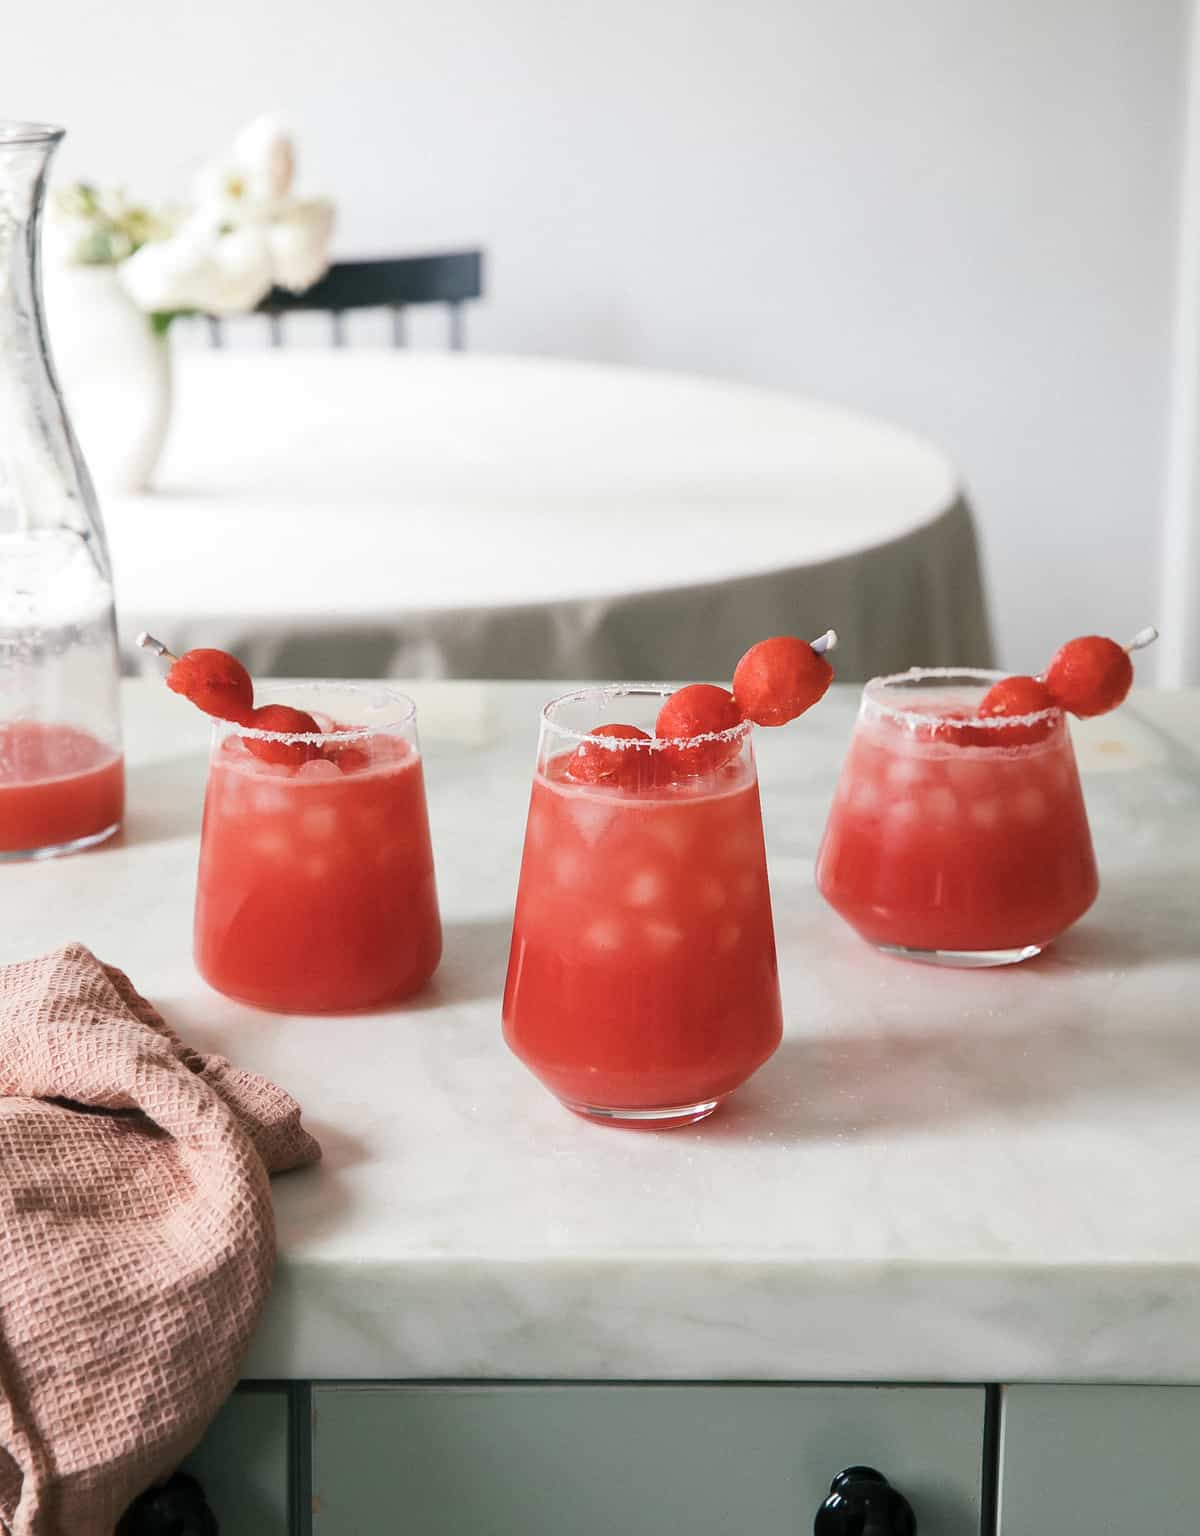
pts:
[242, 233]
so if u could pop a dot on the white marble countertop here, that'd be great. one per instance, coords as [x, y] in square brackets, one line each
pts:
[940, 1176]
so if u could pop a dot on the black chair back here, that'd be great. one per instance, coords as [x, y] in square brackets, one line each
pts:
[452, 279]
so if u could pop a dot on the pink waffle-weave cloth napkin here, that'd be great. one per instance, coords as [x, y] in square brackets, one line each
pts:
[137, 1239]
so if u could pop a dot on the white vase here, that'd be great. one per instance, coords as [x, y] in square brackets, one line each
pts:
[114, 370]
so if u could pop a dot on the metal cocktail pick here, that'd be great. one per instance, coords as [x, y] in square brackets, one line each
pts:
[149, 643]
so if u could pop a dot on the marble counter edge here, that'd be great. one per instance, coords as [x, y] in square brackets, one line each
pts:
[631, 1318]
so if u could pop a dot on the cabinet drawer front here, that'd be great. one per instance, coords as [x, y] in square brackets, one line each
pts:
[462, 1460]
[242, 1464]
[1078, 1461]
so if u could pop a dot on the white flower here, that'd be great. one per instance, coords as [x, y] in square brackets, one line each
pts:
[242, 270]
[99, 226]
[199, 269]
[220, 193]
[244, 233]
[265, 151]
[252, 178]
[168, 274]
[299, 243]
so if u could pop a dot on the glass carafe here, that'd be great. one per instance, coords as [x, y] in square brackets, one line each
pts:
[61, 770]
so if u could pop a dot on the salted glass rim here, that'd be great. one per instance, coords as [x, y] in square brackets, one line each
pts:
[314, 738]
[610, 691]
[874, 691]
[18, 131]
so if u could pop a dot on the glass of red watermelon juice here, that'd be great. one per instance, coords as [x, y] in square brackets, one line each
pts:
[316, 887]
[954, 839]
[642, 984]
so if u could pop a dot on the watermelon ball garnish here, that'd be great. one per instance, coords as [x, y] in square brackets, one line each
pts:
[213, 680]
[282, 720]
[778, 679]
[1016, 696]
[1011, 699]
[349, 756]
[592, 763]
[700, 709]
[1090, 676]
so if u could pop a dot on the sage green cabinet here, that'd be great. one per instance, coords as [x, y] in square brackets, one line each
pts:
[242, 1463]
[498, 1460]
[1099, 1461]
[492, 1459]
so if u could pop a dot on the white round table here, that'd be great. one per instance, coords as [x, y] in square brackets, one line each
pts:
[373, 513]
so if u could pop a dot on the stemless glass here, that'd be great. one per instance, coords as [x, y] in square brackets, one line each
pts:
[642, 982]
[316, 889]
[62, 775]
[954, 839]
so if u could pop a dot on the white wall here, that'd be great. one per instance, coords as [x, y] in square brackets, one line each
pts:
[958, 213]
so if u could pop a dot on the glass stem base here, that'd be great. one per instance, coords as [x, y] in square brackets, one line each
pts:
[666, 1119]
[964, 959]
[56, 850]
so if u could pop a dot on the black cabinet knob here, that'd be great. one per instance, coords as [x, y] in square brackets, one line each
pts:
[174, 1508]
[862, 1502]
